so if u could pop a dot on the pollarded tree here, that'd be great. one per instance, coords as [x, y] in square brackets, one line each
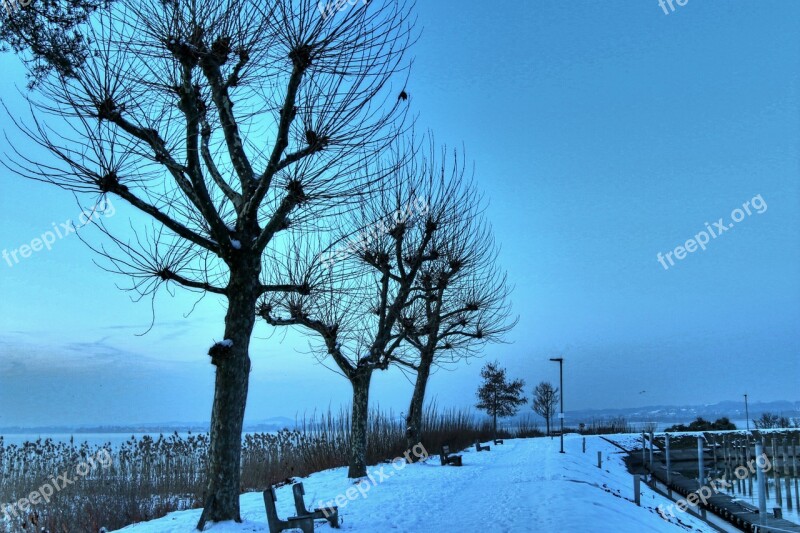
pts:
[545, 400]
[460, 302]
[238, 127]
[498, 396]
[354, 314]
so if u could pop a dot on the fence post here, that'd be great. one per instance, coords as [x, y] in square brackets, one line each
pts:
[701, 467]
[761, 481]
[584, 444]
[776, 472]
[669, 460]
[794, 471]
[786, 477]
[652, 438]
[599, 459]
[644, 451]
[637, 491]
[747, 456]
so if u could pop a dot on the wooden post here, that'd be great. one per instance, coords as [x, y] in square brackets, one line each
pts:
[737, 460]
[652, 438]
[785, 456]
[746, 457]
[637, 491]
[701, 476]
[762, 484]
[584, 444]
[714, 451]
[644, 451]
[786, 478]
[749, 481]
[669, 460]
[766, 485]
[794, 471]
[726, 442]
[599, 459]
[738, 452]
[776, 473]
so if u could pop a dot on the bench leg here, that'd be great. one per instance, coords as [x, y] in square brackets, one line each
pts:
[305, 524]
[333, 519]
[331, 514]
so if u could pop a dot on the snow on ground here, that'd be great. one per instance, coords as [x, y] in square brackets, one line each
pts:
[522, 485]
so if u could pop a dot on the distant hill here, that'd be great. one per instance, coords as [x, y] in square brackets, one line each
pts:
[671, 414]
[734, 410]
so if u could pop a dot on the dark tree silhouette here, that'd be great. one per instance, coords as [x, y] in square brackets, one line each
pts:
[771, 420]
[545, 400]
[701, 424]
[460, 302]
[196, 113]
[498, 396]
[354, 314]
[49, 36]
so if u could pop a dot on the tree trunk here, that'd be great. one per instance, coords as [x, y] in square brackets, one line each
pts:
[547, 421]
[414, 417]
[494, 416]
[230, 398]
[358, 423]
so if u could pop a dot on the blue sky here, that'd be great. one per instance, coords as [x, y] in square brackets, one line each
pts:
[603, 133]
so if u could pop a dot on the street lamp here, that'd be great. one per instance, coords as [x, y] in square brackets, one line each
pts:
[746, 413]
[560, 361]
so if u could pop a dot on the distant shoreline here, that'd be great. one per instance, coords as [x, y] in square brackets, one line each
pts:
[660, 414]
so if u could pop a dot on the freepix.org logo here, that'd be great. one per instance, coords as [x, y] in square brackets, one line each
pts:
[756, 205]
[334, 6]
[715, 486]
[59, 231]
[54, 485]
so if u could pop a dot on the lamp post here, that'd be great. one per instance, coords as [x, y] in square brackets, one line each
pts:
[560, 361]
[746, 413]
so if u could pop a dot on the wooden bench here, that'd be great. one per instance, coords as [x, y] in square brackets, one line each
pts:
[448, 458]
[498, 441]
[331, 514]
[276, 525]
[479, 448]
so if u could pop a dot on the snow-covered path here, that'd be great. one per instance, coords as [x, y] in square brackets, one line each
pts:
[522, 485]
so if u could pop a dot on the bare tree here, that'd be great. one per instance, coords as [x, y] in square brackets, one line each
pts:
[545, 400]
[771, 420]
[355, 314]
[150, 119]
[497, 395]
[460, 302]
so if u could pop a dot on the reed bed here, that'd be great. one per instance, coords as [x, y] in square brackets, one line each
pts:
[607, 426]
[145, 478]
